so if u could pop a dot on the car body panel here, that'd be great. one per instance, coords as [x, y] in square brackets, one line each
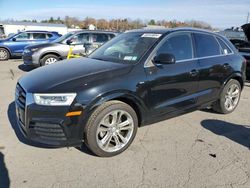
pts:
[171, 87]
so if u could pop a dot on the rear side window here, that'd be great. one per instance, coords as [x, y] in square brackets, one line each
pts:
[224, 48]
[111, 36]
[49, 35]
[100, 38]
[206, 45]
[39, 36]
[179, 45]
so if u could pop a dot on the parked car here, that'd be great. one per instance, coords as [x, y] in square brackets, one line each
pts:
[139, 77]
[15, 44]
[241, 40]
[45, 54]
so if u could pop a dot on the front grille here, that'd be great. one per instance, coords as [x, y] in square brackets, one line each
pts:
[20, 96]
[27, 58]
[48, 131]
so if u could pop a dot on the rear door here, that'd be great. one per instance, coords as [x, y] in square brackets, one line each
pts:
[39, 38]
[99, 39]
[214, 65]
[173, 87]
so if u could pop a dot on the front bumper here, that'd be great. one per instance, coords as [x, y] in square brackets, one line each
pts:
[47, 124]
[30, 58]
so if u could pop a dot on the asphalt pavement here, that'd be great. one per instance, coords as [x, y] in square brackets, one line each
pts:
[199, 149]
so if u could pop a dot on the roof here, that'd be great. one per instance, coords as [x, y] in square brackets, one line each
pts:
[167, 30]
[31, 24]
[93, 31]
[38, 31]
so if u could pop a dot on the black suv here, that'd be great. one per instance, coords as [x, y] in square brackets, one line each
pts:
[137, 78]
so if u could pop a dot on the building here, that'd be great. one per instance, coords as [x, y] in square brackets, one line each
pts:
[8, 28]
[92, 27]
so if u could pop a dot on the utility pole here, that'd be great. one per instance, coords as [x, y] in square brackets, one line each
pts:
[117, 24]
[248, 14]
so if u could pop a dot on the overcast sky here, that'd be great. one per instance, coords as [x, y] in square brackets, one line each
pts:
[218, 13]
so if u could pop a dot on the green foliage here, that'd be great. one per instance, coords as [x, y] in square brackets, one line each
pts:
[151, 22]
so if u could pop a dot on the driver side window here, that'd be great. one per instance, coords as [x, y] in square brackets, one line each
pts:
[23, 36]
[179, 45]
[80, 38]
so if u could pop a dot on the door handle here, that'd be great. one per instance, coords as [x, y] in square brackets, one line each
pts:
[194, 72]
[226, 66]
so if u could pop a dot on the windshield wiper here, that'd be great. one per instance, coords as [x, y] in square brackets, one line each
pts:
[98, 58]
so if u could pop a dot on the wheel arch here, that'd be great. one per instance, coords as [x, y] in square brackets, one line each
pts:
[127, 98]
[48, 53]
[236, 76]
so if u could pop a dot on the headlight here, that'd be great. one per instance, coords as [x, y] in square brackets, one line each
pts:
[26, 51]
[59, 99]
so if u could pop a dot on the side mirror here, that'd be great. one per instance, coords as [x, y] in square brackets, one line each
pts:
[14, 39]
[164, 59]
[69, 42]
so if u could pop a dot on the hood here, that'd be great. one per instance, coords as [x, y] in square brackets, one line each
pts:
[246, 29]
[42, 45]
[3, 40]
[68, 75]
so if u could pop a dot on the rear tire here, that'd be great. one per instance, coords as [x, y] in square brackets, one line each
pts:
[4, 54]
[229, 98]
[111, 128]
[49, 59]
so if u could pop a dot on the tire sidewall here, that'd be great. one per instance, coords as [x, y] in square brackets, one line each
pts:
[92, 126]
[8, 54]
[222, 97]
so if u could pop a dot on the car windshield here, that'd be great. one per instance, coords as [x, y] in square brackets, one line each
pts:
[63, 38]
[126, 48]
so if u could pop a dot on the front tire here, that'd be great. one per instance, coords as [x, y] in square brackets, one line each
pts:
[111, 128]
[229, 98]
[49, 59]
[4, 54]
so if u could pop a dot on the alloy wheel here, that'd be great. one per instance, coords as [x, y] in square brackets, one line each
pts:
[3, 54]
[50, 60]
[115, 131]
[232, 97]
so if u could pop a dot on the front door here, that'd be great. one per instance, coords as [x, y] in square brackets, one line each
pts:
[19, 42]
[78, 42]
[173, 87]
